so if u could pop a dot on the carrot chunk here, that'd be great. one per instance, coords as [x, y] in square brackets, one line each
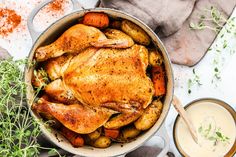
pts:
[99, 20]
[158, 78]
[75, 139]
[112, 133]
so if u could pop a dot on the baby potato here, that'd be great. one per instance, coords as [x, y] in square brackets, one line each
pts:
[155, 57]
[94, 135]
[135, 32]
[130, 132]
[143, 52]
[150, 116]
[102, 142]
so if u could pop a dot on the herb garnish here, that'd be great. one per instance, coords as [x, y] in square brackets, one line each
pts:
[212, 134]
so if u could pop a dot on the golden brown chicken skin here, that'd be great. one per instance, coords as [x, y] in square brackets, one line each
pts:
[73, 40]
[76, 117]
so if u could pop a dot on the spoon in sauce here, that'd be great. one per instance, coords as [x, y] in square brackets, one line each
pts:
[183, 114]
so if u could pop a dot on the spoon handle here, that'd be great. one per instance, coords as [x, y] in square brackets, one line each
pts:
[183, 114]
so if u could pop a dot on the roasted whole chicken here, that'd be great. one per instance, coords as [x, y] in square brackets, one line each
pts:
[98, 78]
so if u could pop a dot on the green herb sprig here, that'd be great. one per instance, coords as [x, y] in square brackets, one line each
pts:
[193, 81]
[18, 130]
[213, 134]
[215, 22]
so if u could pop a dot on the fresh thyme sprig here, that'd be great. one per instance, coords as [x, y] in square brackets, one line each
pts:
[18, 130]
[193, 81]
[215, 22]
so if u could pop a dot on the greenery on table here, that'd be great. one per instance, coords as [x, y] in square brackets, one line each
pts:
[18, 130]
[213, 19]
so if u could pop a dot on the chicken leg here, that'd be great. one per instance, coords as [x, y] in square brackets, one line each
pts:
[80, 37]
[76, 117]
[73, 40]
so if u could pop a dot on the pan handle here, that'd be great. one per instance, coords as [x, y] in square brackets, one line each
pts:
[162, 132]
[33, 32]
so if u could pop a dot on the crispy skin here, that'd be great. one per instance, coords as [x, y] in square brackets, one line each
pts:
[56, 67]
[73, 40]
[76, 117]
[110, 75]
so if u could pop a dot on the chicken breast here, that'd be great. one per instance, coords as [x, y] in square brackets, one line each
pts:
[110, 75]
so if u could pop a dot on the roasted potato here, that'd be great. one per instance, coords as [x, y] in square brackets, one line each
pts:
[130, 132]
[94, 135]
[102, 142]
[135, 32]
[155, 57]
[150, 116]
[143, 52]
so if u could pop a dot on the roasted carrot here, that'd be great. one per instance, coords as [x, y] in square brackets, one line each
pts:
[158, 78]
[75, 139]
[112, 133]
[99, 20]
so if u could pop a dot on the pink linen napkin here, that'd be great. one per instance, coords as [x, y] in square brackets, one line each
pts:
[171, 19]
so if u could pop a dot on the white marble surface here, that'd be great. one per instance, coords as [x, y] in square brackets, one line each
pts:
[223, 89]
[19, 43]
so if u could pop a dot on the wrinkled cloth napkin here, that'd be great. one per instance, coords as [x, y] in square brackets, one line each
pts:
[171, 19]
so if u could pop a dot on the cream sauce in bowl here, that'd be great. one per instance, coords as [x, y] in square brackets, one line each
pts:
[215, 127]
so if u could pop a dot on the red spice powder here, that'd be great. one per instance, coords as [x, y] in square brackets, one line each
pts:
[56, 5]
[9, 20]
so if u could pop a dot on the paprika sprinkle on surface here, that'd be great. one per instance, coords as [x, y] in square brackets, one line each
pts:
[9, 20]
[56, 5]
